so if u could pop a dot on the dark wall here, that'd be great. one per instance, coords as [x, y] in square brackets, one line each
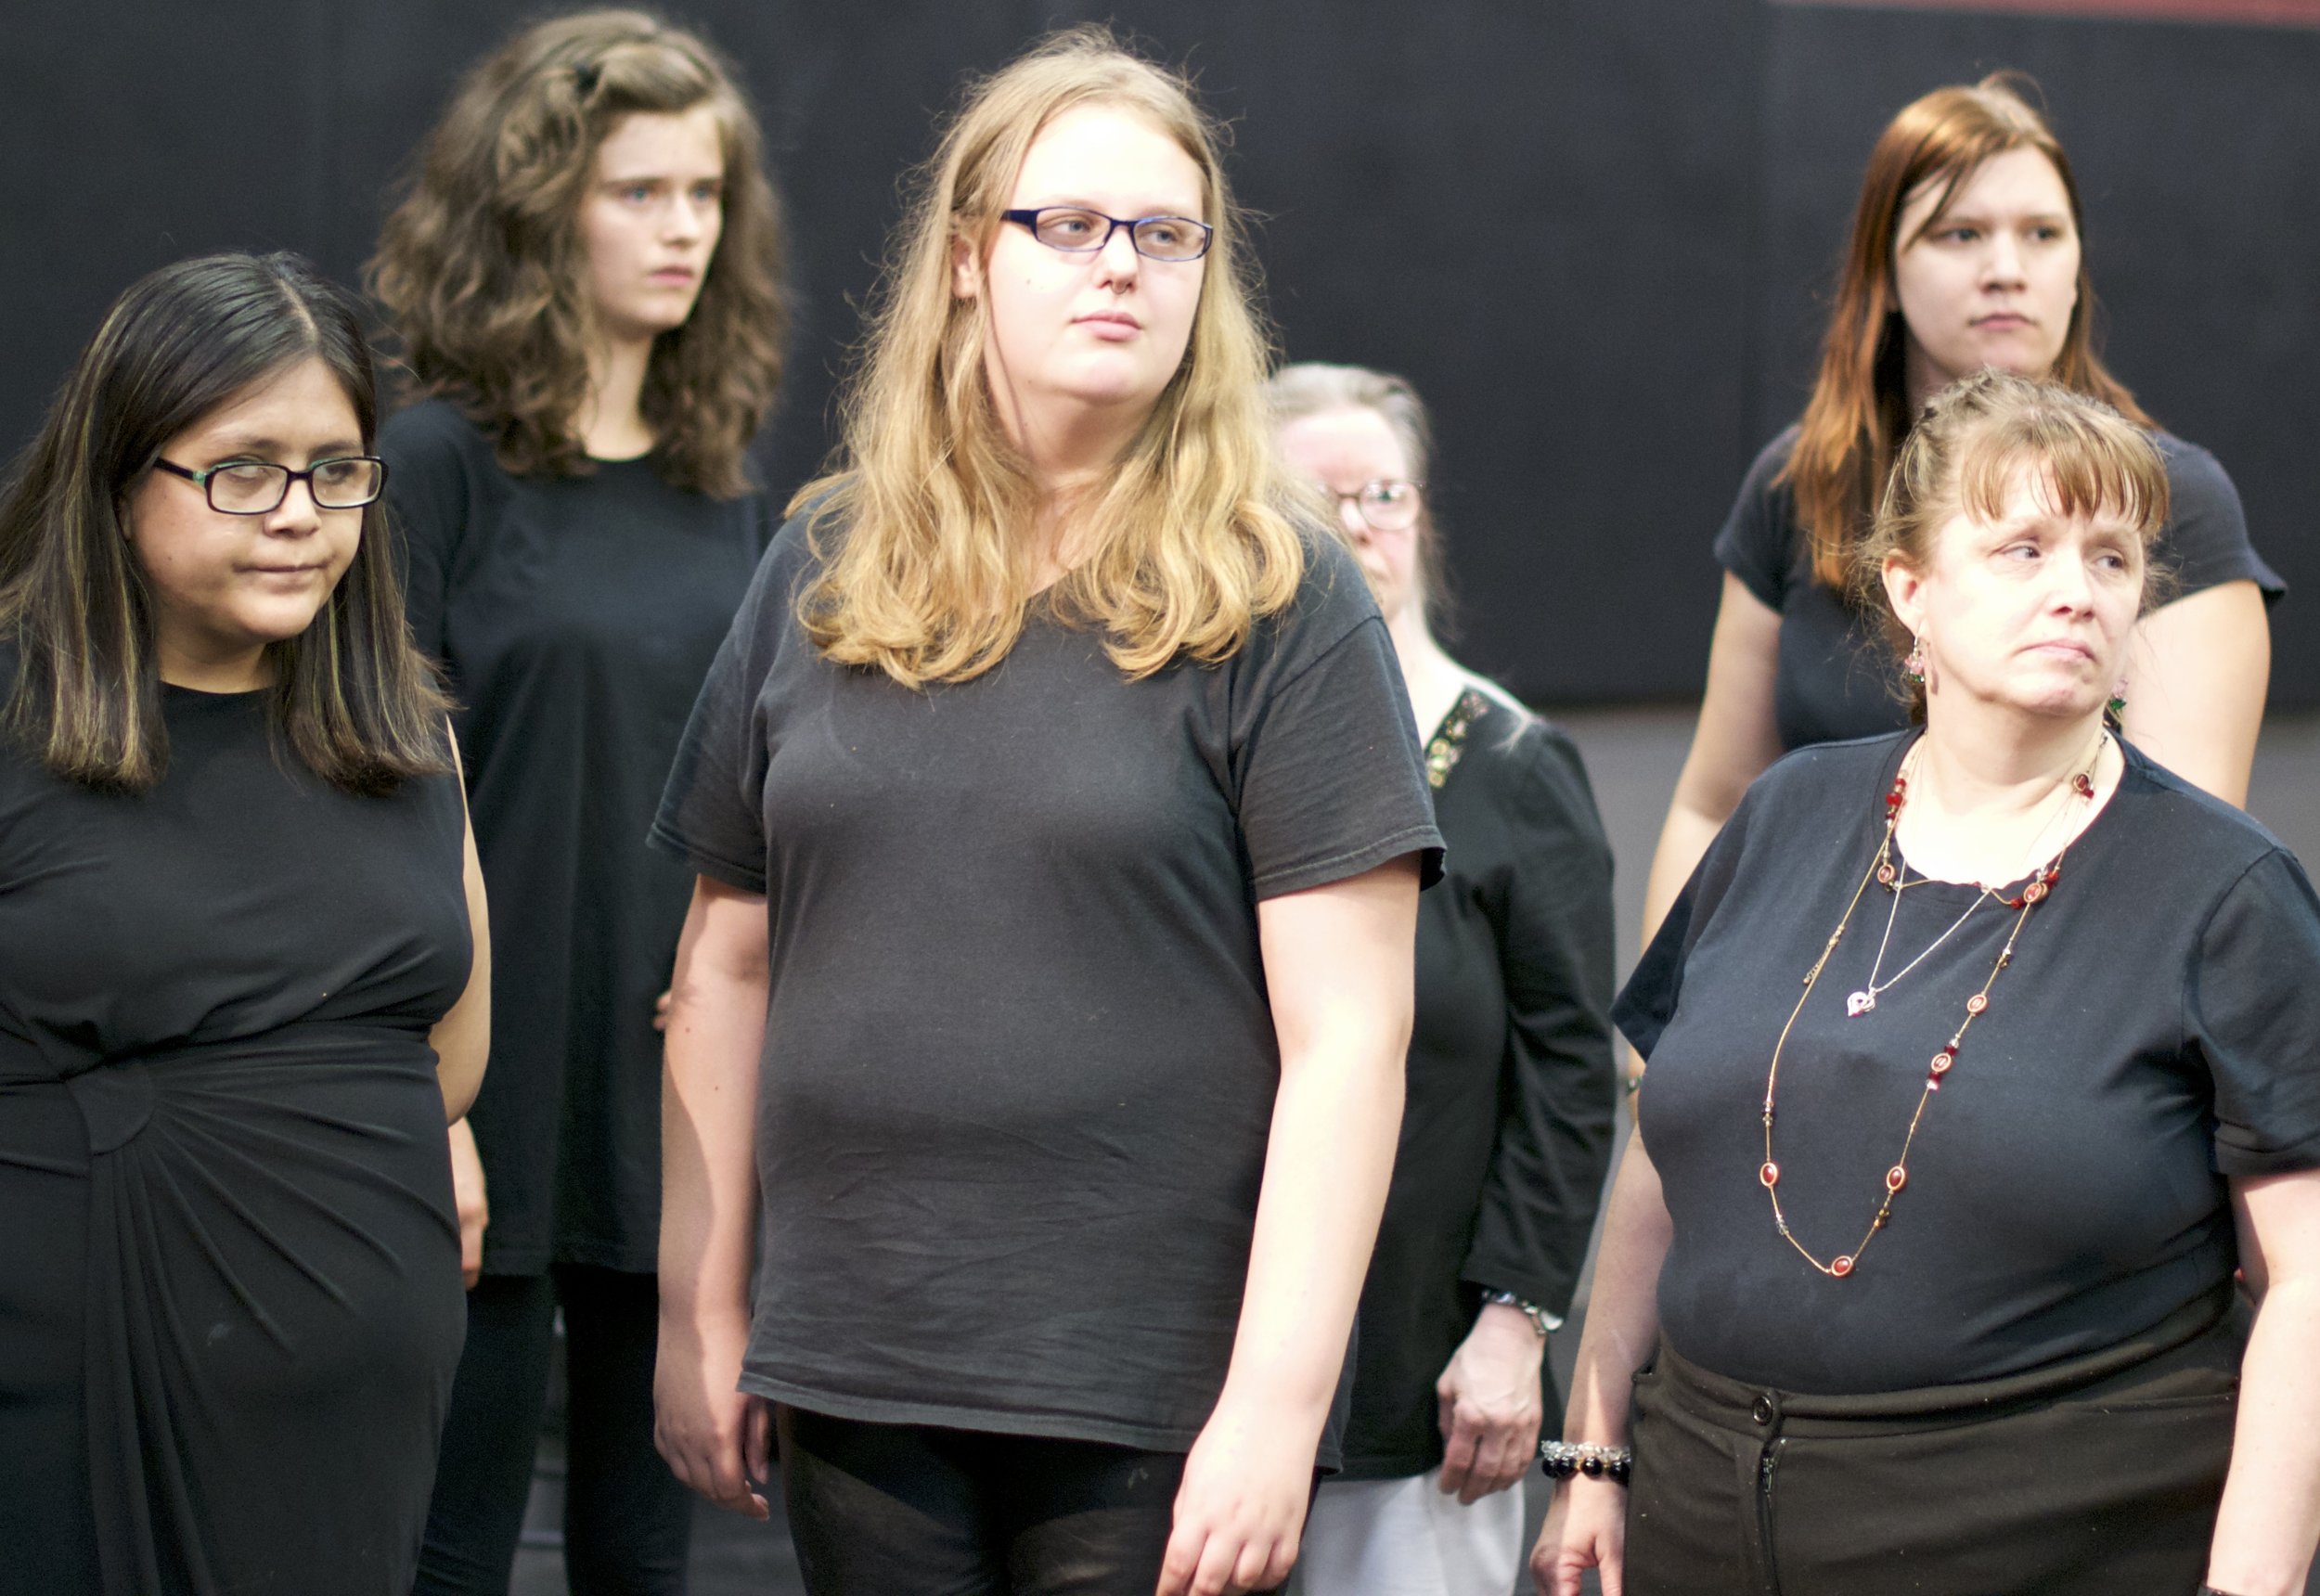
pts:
[1591, 231]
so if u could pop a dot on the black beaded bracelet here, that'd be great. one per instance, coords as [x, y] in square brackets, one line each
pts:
[1561, 1460]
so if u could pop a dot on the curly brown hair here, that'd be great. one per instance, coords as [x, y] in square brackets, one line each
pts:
[480, 265]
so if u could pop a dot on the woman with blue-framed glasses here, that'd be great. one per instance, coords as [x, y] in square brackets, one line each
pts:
[1037, 1042]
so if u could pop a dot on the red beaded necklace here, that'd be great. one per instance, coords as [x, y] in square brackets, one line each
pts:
[1880, 870]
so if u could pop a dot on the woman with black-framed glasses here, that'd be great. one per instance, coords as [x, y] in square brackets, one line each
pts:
[241, 981]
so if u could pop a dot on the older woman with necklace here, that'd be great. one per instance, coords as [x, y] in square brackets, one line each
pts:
[1982, 1057]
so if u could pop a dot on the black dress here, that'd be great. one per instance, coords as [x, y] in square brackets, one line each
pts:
[1506, 1127]
[574, 618]
[229, 1268]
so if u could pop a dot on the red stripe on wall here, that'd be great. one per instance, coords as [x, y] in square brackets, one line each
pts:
[2275, 13]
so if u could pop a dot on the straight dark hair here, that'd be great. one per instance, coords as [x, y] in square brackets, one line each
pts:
[351, 695]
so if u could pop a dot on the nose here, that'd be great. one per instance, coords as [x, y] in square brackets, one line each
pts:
[2002, 264]
[297, 515]
[683, 221]
[1117, 262]
[2070, 586]
[1350, 517]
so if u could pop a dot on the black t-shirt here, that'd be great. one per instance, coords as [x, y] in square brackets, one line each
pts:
[1506, 1129]
[1019, 1065]
[1837, 676]
[2157, 1030]
[575, 617]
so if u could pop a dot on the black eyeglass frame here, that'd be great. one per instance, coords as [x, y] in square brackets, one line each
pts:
[1029, 221]
[1417, 488]
[202, 479]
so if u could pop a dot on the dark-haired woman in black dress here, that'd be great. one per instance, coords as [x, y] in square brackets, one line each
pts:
[239, 913]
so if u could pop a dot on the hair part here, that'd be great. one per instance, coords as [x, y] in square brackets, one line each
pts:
[919, 522]
[1316, 388]
[1976, 444]
[483, 271]
[350, 696]
[1859, 411]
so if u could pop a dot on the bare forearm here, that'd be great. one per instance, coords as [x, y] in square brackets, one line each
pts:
[708, 1132]
[2271, 1509]
[1623, 1309]
[1327, 1163]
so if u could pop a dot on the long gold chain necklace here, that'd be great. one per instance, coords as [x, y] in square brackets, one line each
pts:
[2033, 893]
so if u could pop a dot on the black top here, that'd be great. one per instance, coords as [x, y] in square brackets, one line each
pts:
[1506, 1129]
[1019, 1065]
[1837, 676]
[229, 1268]
[2157, 1030]
[577, 617]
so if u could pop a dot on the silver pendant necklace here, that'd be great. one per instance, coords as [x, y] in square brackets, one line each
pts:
[1862, 1001]
[1865, 1000]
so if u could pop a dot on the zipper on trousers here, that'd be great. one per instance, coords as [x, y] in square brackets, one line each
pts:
[1767, 1462]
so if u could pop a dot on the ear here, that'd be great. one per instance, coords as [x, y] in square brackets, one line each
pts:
[1905, 590]
[966, 272]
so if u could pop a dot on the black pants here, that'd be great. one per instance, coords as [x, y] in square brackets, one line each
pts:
[2097, 1477]
[627, 1519]
[907, 1510]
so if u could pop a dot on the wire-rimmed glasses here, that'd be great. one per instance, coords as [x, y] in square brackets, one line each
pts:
[258, 487]
[1389, 504]
[1077, 230]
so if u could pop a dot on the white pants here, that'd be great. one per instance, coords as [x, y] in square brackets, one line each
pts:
[1404, 1537]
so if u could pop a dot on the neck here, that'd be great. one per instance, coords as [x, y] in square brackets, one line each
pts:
[1919, 376]
[1071, 457]
[611, 423]
[1997, 764]
[236, 670]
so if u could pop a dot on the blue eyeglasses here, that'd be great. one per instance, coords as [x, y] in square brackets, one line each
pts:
[1079, 231]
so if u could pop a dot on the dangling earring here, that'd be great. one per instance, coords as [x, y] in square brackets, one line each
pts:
[2116, 707]
[1915, 667]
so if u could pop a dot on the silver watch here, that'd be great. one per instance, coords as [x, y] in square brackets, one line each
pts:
[1541, 1320]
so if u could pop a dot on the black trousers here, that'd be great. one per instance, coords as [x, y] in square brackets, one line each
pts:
[2098, 1476]
[909, 1509]
[627, 1521]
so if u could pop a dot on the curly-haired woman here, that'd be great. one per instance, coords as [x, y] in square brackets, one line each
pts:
[1036, 1049]
[584, 276]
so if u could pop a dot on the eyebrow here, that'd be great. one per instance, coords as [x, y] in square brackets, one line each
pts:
[257, 444]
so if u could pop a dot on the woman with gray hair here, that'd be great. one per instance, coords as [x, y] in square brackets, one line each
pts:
[1508, 1124]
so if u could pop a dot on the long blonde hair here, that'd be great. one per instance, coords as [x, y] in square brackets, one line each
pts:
[929, 576]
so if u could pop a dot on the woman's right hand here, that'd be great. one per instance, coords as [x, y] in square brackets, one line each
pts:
[716, 1438]
[1586, 1529]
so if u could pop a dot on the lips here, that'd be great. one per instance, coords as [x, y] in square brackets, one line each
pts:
[1111, 317]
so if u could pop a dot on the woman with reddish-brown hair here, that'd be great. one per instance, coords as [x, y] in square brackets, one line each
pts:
[1966, 252]
[584, 276]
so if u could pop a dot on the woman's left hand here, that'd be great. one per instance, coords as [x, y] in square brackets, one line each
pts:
[1241, 1508]
[469, 1194]
[1490, 1405]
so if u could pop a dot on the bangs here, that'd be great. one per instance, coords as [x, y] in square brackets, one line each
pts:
[2079, 464]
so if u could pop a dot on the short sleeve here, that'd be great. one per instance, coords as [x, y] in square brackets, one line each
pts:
[2205, 542]
[712, 812]
[1758, 541]
[428, 508]
[1656, 986]
[1330, 779]
[2252, 1006]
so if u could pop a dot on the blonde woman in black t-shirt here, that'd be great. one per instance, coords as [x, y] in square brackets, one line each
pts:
[1981, 1058]
[1035, 1054]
